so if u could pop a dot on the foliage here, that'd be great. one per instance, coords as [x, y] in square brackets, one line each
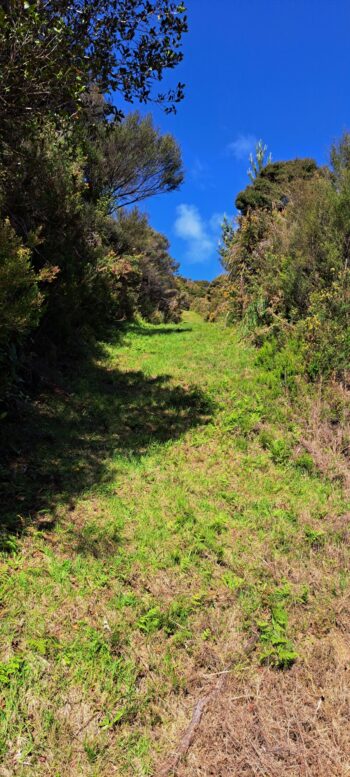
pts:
[271, 186]
[20, 300]
[326, 330]
[145, 271]
[228, 229]
[51, 53]
[210, 299]
[195, 291]
[131, 160]
[259, 160]
[92, 263]
[159, 292]
[218, 298]
[288, 262]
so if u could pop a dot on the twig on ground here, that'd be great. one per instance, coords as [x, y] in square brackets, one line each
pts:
[187, 739]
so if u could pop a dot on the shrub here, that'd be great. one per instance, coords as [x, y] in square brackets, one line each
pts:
[20, 299]
[288, 266]
[326, 331]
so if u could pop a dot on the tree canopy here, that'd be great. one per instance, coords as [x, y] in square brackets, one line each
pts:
[131, 161]
[72, 261]
[51, 52]
[288, 263]
[271, 186]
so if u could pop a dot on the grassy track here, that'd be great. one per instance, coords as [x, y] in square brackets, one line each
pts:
[166, 519]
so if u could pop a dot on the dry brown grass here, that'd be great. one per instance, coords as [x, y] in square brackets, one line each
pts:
[242, 719]
[327, 432]
[278, 724]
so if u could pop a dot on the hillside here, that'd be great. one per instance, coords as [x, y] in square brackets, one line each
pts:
[178, 556]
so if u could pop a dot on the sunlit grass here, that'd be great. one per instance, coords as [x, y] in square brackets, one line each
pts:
[178, 522]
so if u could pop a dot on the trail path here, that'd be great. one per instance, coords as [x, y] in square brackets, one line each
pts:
[174, 535]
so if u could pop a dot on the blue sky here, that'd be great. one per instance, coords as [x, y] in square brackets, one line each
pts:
[272, 69]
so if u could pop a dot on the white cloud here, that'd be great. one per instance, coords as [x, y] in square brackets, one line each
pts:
[188, 224]
[242, 146]
[201, 236]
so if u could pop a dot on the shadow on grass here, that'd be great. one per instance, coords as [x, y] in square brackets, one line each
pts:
[64, 440]
[149, 331]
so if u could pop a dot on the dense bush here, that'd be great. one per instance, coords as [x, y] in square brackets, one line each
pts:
[271, 187]
[211, 299]
[19, 295]
[20, 300]
[72, 262]
[288, 261]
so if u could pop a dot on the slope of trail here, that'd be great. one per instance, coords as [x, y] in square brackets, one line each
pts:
[173, 556]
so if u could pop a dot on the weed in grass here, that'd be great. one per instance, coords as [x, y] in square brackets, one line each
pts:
[152, 620]
[279, 448]
[316, 538]
[233, 582]
[305, 463]
[277, 649]
[246, 416]
[11, 670]
[92, 751]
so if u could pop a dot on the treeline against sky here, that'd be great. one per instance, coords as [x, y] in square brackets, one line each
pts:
[73, 258]
[287, 256]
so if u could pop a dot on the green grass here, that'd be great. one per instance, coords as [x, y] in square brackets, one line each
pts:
[155, 518]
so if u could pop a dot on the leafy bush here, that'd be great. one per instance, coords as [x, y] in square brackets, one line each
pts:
[326, 330]
[271, 188]
[70, 159]
[20, 299]
[288, 265]
[95, 268]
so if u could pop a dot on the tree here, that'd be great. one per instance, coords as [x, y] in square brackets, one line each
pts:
[140, 272]
[51, 52]
[68, 161]
[227, 235]
[131, 160]
[271, 188]
[259, 161]
[159, 290]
